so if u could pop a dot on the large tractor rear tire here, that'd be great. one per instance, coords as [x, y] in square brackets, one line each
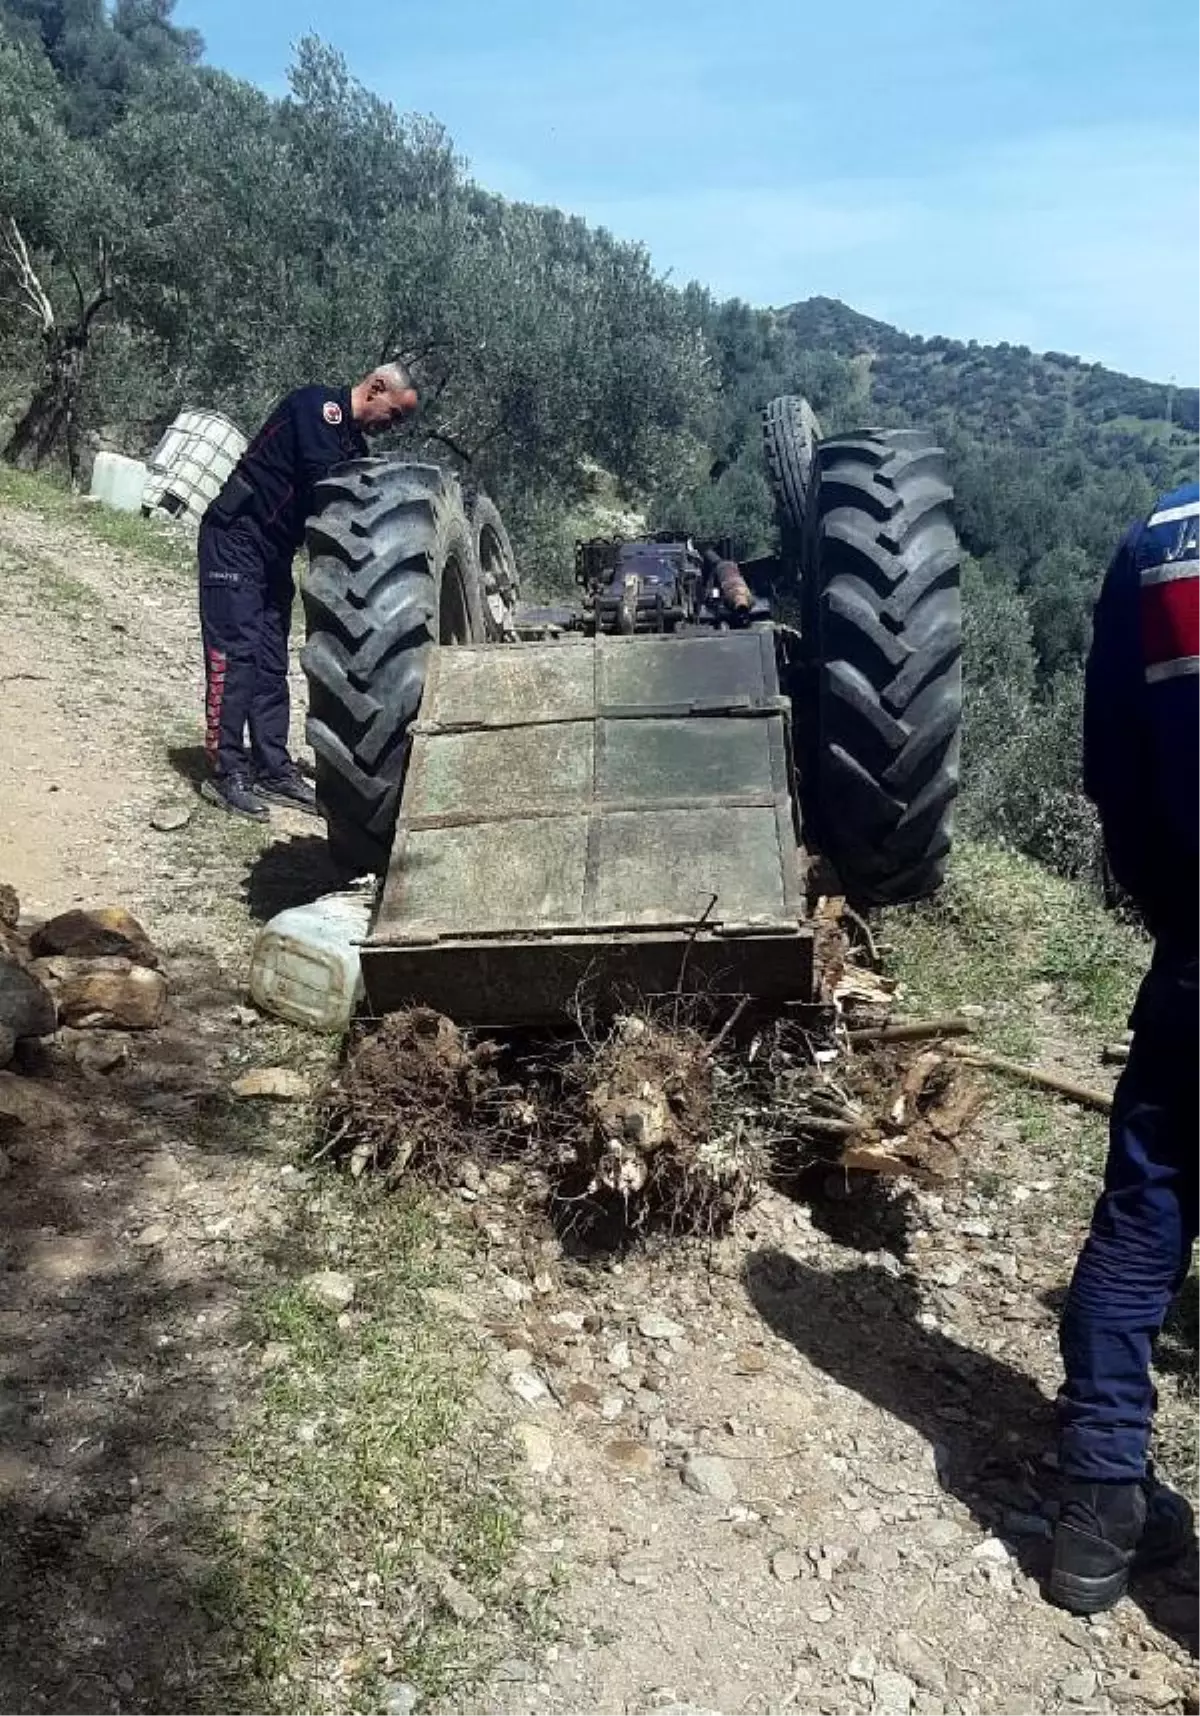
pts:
[393, 573]
[879, 729]
[790, 436]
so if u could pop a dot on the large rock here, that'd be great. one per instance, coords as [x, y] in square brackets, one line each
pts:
[103, 932]
[12, 946]
[96, 1051]
[280, 1084]
[114, 994]
[329, 1287]
[26, 1004]
[708, 1475]
[8, 1044]
[28, 1102]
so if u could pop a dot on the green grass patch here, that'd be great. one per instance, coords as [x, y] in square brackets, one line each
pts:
[37, 490]
[63, 595]
[1045, 962]
[128, 532]
[367, 1457]
[1005, 934]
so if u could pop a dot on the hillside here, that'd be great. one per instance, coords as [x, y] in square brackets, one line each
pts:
[294, 1425]
[1004, 392]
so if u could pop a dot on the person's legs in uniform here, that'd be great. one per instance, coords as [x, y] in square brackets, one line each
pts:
[276, 776]
[1133, 1263]
[231, 608]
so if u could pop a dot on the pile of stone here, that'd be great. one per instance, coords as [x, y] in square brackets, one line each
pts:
[85, 970]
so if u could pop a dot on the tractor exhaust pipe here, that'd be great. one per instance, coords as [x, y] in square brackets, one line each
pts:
[735, 592]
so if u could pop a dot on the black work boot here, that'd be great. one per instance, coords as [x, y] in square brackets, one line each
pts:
[235, 793]
[1104, 1530]
[290, 789]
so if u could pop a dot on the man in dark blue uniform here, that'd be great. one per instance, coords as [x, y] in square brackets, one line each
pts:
[1141, 765]
[248, 539]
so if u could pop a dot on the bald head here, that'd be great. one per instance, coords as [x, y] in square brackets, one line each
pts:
[383, 399]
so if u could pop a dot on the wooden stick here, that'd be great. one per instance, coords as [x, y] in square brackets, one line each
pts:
[914, 1030]
[721, 1035]
[1081, 1093]
[825, 1126]
[699, 924]
[864, 929]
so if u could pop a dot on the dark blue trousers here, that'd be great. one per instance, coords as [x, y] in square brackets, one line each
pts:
[245, 616]
[1139, 1249]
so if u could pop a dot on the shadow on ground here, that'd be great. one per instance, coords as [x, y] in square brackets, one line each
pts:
[190, 763]
[862, 1212]
[290, 873]
[1177, 1347]
[988, 1423]
[121, 1305]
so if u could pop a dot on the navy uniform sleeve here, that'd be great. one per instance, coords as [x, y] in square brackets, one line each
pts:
[1116, 757]
[1142, 716]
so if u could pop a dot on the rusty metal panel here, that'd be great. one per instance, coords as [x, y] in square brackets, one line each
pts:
[724, 670]
[496, 685]
[704, 757]
[605, 801]
[485, 879]
[713, 865]
[502, 771]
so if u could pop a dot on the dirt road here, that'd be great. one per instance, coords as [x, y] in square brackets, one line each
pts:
[137, 1221]
[803, 1469]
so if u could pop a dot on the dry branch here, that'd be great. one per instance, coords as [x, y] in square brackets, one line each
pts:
[33, 293]
[914, 1030]
[1084, 1094]
[828, 1126]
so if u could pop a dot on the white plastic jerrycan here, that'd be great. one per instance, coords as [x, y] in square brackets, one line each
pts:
[305, 966]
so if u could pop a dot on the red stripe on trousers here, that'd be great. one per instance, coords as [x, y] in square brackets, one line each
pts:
[215, 697]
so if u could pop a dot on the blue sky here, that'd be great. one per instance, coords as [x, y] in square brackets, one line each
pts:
[1021, 170]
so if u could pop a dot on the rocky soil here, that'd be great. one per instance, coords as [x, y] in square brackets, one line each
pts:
[810, 1467]
[804, 1466]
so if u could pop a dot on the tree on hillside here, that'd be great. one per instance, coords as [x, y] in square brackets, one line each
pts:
[60, 220]
[102, 55]
[282, 241]
[170, 234]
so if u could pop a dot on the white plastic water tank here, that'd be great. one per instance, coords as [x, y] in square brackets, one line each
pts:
[119, 482]
[305, 967]
[191, 462]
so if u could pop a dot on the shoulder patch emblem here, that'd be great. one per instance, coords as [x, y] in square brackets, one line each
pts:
[331, 411]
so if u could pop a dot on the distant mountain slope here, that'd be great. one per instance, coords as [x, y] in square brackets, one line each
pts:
[1002, 393]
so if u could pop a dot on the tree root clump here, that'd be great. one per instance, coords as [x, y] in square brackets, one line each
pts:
[414, 1096]
[654, 1140]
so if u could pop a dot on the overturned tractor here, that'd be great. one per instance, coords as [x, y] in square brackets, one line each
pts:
[643, 794]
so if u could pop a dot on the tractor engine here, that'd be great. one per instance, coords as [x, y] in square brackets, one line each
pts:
[662, 584]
